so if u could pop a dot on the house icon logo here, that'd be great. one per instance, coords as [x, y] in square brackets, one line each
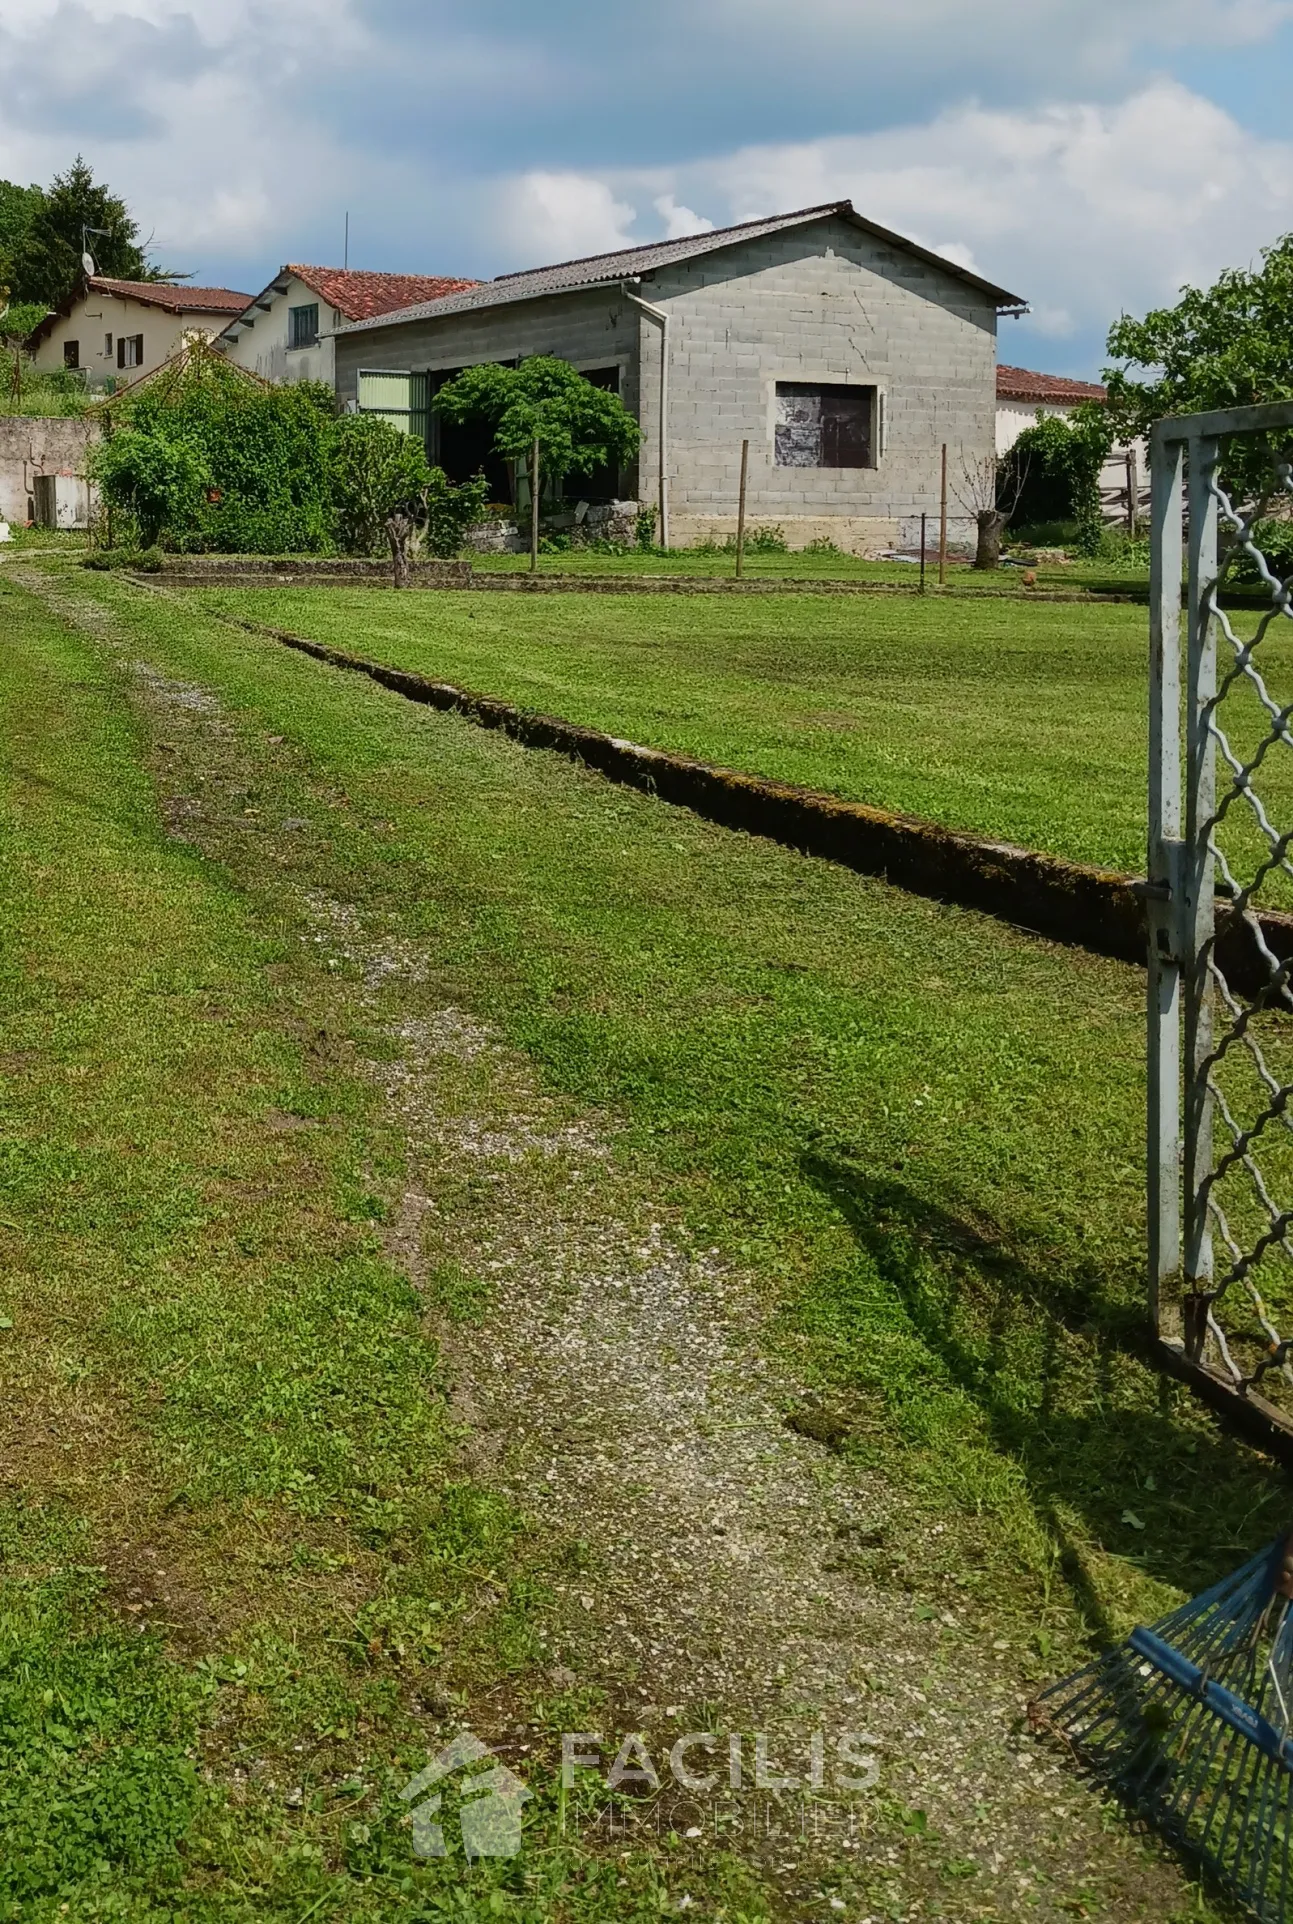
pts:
[489, 1815]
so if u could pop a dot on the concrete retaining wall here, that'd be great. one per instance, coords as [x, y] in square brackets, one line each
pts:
[32, 445]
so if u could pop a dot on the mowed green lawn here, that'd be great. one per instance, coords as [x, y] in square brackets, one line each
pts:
[1024, 723]
[918, 1131]
[1018, 722]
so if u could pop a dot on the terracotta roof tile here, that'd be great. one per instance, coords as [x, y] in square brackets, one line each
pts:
[1021, 384]
[177, 298]
[362, 296]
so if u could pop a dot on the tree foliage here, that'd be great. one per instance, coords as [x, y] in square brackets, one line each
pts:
[1053, 470]
[266, 450]
[18, 207]
[579, 427]
[45, 236]
[375, 472]
[1227, 345]
[161, 478]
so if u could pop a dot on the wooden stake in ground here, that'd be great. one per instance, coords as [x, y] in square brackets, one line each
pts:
[942, 525]
[534, 505]
[740, 510]
[924, 520]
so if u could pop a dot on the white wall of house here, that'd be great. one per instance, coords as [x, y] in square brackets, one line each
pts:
[98, 322]
[261, 340]
[1014, 416]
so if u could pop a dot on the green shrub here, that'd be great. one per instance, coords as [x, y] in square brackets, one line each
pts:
[769, 540]
[265, 449]
[156, 475]
[451, 512]
[1052, 473]
[373, 472]
[822, 545]
[1275, 540]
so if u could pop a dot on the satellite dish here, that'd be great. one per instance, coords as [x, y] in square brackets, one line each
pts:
[87, 262]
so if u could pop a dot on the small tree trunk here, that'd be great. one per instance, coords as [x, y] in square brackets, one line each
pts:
[399, 527]
[992, 525]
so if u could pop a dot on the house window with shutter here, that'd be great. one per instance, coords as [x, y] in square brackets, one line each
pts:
[825, 427]
[71, 354]
[130, 350]
[303, 326]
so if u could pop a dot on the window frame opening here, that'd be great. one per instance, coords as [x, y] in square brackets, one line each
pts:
[295, 345]
[834, 425]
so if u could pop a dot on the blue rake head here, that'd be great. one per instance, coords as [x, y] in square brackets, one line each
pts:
[1191, 1722]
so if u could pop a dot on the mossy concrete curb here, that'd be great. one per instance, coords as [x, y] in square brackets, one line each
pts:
[1096, 909]
[259, 571]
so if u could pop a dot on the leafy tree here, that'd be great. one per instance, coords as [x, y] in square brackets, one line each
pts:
[158, 478]
[379, 480]
[1228, 345]
[22, 317]
[579, 427]
[46, 264]
[1053, 470]
[18, 207]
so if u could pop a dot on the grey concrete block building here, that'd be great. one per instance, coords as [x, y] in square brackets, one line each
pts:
[845, 354]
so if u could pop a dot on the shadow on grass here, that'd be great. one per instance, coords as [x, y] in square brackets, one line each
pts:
[1053, 1358]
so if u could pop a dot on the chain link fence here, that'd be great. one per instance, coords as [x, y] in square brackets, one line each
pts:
[1220, 898]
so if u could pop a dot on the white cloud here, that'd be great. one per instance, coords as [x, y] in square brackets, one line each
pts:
[1085, 210]
[679, 221]
[552, 217]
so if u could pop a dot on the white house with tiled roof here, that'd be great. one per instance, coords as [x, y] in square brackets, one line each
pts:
[1023, 395]
[285, 332]
[125, 329]
[843, 353]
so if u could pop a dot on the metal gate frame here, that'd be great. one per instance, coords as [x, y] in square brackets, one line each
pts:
[1180, 904]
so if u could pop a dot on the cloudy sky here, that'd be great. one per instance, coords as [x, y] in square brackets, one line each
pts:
[1088, 154]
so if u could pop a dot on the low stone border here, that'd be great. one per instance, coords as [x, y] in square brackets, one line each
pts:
[1096, 909]
[259, 571]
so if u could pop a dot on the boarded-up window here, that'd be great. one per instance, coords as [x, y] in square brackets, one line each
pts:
[825, 427]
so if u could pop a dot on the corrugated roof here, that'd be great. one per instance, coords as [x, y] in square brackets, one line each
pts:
[361, 295]
[1021, 384]
[630, 262]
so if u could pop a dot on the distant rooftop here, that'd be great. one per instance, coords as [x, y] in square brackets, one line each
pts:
[1021, 384]
[176, 297]
[362, 296]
